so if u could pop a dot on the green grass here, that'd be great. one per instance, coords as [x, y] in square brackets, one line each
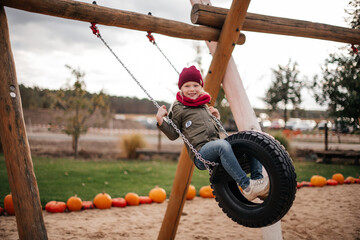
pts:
[58, 178]
[304, 170]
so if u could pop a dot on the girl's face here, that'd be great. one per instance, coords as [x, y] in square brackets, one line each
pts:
[191, 90]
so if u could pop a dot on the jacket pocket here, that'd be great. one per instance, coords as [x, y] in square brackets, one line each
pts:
[196, 134]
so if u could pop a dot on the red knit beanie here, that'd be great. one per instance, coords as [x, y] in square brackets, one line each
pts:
[190, 74]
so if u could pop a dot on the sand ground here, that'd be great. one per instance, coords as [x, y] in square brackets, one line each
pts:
[330, 212]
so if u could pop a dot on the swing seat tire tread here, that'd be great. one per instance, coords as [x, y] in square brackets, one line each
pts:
[280, 170]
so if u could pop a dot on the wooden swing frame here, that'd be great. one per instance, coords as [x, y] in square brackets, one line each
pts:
[17, 154]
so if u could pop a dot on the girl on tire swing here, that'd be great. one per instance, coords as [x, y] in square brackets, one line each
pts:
[193, 118]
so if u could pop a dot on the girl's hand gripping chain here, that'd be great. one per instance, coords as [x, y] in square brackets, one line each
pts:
[214, 112]
[161, 113]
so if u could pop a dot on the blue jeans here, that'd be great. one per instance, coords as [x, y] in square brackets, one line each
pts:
[221, 149]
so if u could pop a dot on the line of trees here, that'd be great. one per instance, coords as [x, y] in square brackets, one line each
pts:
[35, 98]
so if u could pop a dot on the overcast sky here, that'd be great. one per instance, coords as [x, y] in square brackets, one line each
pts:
[42, 45]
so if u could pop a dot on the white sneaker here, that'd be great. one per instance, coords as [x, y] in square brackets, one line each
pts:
[257, 188]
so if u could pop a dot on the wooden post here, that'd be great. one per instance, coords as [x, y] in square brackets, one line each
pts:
[326, 137]
[215, 17]
[18, 160]
[112, 17]
[229, 33]
[177, 198]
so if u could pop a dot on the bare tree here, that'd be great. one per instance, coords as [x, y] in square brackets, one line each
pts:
[78, 107]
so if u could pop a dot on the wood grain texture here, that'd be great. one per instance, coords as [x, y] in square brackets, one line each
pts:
[182, 180]
[185, 168]
[215, 17]
[16, 147]
[112, 17]
[229, 33]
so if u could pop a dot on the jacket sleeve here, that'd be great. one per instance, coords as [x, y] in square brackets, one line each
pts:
[167, 129]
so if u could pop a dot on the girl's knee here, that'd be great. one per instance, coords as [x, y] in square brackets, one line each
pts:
[226, 145]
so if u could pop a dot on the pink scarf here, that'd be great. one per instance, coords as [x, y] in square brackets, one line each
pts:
[203, 99]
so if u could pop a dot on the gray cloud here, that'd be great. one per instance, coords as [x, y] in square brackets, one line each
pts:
[39, 33]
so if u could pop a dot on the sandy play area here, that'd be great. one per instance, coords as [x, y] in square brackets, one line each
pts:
[330, 212]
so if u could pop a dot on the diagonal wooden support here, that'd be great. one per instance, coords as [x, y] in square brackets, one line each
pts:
[229, 33]
[16, 147]
[185, 168]
[182, 180]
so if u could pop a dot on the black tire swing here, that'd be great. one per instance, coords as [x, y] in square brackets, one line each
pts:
[277, 164]
[264, 148]
[282, 177]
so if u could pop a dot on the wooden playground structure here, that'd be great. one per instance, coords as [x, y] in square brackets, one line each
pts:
[220, 26]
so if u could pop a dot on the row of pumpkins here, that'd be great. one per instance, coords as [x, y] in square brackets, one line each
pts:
[320, 181]
[104, 200]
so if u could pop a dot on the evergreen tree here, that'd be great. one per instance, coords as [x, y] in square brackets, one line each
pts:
[339, 86]
[285, 89]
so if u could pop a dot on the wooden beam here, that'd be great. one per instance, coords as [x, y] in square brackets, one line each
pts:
[229, 33]
[182, 180]
[18, 160]
[215, 17]
[112, 17]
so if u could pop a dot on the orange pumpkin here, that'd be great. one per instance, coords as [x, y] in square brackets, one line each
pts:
[55, 207]
[132, 199]
[191, 193]
[74, 203]
[338, 177]
[318, 181]
[9, 204]
[102, 201]
[206, 192]
[157, 194]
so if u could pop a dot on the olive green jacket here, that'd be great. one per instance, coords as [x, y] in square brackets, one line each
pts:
[196, 123]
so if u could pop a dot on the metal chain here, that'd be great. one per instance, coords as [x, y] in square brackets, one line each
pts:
[132, 76]
[219, 124]
[152, 40]
[166, 58]
[197, 154]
